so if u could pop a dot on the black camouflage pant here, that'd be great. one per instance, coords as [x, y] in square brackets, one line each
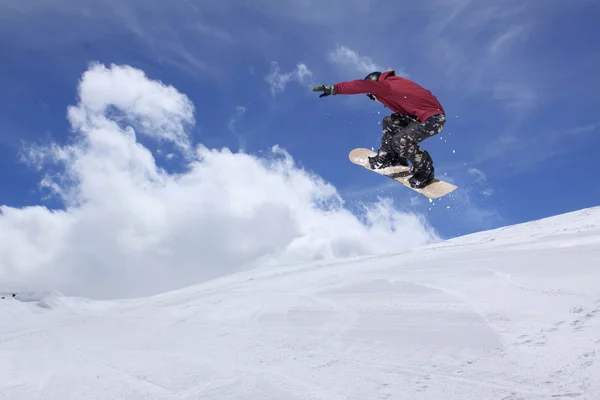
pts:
[402, 134]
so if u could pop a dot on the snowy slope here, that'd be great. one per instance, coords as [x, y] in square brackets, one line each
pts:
[507, 314]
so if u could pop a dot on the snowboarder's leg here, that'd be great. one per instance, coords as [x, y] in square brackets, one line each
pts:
[387, 155]
[406, 144]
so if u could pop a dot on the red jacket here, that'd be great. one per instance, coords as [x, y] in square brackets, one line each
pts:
[396, 93]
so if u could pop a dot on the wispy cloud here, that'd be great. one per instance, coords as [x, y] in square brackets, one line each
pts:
[278, 80]
[162, 33]
[582, 129]
[517, 97]
[316, 12]
[480, 181]
[537, 146]
[343, 55]
[470, 211]
[350, 59]
[474, 42]
[239, 112]
[500, 45]
[470, 207]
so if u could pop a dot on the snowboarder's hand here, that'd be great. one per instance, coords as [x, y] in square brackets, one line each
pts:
[326, 89]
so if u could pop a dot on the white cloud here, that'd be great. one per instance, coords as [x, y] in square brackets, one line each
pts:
[518, 97]
[159, 110]
[479, 47]
[130, 228]
[348, 57]
[352, 60]
[584, 129]
[502, 42]
[278, 81]
[317, 12]
[471, 211]
[530, 151]
[469, 207]
[239, 112]
[480, 180]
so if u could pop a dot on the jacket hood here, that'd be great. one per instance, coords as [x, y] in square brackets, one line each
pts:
[386, 74]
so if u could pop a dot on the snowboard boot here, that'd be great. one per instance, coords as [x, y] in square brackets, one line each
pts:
[422, 177]
[422, 170]
[384, 160]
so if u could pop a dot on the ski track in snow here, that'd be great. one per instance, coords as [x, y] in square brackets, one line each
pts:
[510, 314]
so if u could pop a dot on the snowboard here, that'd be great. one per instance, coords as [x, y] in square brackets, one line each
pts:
[436, 189]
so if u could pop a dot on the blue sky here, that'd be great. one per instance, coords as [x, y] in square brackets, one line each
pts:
[518, 80]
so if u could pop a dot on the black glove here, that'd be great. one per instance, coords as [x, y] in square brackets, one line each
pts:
[326, 89]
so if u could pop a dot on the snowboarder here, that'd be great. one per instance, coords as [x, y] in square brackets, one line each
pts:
[418, 115]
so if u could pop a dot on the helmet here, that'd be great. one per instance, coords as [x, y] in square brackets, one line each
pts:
[373, 76]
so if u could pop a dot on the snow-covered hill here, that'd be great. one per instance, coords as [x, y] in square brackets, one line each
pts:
[507, 314]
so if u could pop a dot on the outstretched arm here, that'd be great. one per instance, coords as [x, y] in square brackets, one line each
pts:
[361, 86]
[357, 86]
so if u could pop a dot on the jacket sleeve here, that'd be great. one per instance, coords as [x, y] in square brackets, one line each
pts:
[359, 86]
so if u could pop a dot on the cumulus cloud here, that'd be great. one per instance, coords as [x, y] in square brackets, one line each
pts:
[159, 109]
[130, 228]
[278, 80]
